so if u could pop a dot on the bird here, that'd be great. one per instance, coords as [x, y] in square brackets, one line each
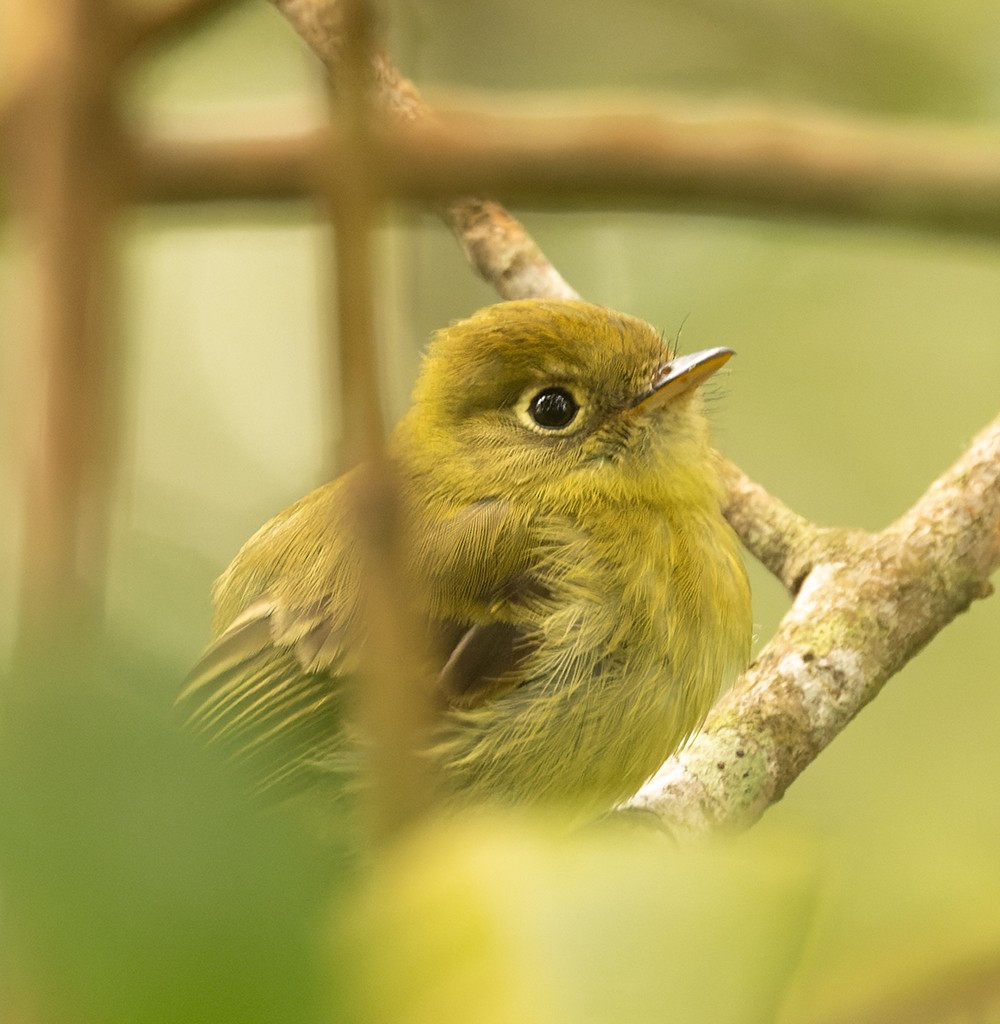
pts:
[583, 597]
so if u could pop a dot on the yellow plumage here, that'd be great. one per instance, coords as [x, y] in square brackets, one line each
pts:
[584, 596]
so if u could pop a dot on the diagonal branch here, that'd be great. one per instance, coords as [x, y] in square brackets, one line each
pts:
[784, 542]
[494, 242]
[868, 605]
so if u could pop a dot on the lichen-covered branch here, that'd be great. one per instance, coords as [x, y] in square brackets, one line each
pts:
[869, 603]
[503, 253]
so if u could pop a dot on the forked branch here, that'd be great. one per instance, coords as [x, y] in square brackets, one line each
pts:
[866, 604]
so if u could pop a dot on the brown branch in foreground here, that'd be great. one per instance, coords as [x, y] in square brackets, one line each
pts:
[868, 605]
[65, 183]
[392, 698]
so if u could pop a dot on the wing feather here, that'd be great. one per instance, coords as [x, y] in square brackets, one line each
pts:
[270, 687]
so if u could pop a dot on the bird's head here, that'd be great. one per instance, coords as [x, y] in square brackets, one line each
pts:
[526, 393]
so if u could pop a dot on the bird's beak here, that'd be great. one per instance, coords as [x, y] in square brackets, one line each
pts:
[682, 374]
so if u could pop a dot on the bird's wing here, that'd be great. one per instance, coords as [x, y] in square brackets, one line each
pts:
[480, 566]
[270, 687]
[268, 691]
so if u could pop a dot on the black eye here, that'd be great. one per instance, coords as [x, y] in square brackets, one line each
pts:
[553, 408]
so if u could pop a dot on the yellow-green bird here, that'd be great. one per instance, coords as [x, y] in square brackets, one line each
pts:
[583, 596]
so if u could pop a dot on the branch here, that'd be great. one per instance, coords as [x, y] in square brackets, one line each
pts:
[188, 170]
[66, 185]
[494, 242]
[868, 605]
[784, 542]
[287, 166]
[393, 700]
[718, 160]
[734, 162]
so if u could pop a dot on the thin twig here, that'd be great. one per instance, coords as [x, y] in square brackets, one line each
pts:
[511, 260]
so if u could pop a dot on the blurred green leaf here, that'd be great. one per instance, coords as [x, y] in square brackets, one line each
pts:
[137, 882]
[910, 922]
[494, 919]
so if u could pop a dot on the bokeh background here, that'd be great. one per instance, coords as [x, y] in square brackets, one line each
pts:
[867, 358]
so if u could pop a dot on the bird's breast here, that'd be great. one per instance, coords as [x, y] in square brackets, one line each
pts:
[645, 616]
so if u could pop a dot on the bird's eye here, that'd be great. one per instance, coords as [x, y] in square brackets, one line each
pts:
[553, 408]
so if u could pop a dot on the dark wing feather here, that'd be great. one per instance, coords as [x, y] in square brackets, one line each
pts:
[483, 664]
[481, 565]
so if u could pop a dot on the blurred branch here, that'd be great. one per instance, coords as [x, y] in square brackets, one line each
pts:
[66, 185]
[510, 259]
[393, 699]
[722, 161]
[353, 192]
[778, 166]
[869, 603]
[276, 167]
